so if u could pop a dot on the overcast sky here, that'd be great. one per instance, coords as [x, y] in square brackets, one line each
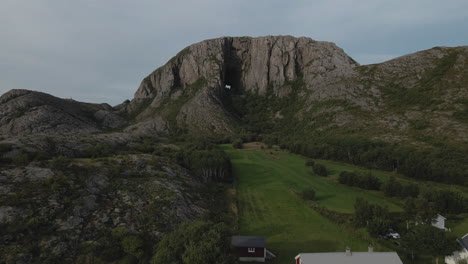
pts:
[100, 50]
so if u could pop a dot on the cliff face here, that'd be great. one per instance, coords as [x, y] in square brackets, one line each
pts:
[245, 64]
[383, 101]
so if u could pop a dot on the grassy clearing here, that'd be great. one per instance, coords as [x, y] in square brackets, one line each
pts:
[459, 226]
[266, 185]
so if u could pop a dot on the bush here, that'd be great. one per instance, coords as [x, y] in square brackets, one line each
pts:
[308, 194]
[60, 163]
[132, 245]
[98, 150]
[320, 170]
[237, 144]
[22, 159]
[5, 147]
[310, 163]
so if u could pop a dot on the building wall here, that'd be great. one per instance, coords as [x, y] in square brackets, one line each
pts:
[457, 256]
[244, 252]
[439, 223]
[262, 259]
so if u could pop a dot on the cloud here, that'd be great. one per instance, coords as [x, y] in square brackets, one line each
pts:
[100, 50]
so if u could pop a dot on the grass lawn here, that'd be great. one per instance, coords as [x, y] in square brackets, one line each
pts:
[268, 206]
[267, 183]
[459, 226]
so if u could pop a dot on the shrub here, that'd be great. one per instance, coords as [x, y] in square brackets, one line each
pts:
[60, 163]
[237, 144]
[98, 150]
[310, 163]
[5, 147]
[132, 245]
[320, 170]
[308, 194]
[22, 159]
[119, 232]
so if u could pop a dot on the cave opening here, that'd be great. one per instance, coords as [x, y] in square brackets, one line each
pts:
[232, 72]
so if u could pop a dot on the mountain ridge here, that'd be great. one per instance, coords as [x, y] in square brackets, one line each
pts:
[187, 93]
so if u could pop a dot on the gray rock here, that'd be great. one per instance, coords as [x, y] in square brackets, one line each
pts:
[95, 183]
[27, 174]
[10, 214]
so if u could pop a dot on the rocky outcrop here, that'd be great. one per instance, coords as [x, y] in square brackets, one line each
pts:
[246, 65]
[24, 112]
[143, 195]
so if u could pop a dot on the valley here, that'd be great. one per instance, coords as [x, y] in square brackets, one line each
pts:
[269, 184]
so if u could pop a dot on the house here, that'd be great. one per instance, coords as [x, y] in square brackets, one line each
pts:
[250, 248]
[348, 257]
[457, 256]
[439, 222]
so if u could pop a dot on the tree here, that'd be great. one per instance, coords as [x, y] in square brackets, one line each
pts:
[392, 187]
[308, 194]
[373, 216]
[433, 242]
[410, 210]
[197, 242]
[426, 211]
[378, 225]
[237, 143]
[321, 170]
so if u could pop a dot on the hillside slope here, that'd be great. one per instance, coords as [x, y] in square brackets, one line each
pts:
[24, 112]
[311, 83]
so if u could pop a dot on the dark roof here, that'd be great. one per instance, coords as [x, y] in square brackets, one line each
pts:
[248, 241]
[464, 241]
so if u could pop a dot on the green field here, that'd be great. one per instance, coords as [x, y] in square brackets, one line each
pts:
[266, 187]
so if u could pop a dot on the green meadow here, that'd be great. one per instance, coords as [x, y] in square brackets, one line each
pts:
[267, 186]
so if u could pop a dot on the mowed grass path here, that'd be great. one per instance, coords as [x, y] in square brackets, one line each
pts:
[268, 206]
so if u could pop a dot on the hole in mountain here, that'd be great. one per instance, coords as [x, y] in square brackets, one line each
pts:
[232, 71]
[232, 78]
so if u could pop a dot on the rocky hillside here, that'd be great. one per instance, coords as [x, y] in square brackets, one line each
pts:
[392, 101]
[188, 91]
[311, 83]
[24, 112]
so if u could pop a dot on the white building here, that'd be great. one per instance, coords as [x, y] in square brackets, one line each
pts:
[439, 222]
[461, 254]
[349, 257]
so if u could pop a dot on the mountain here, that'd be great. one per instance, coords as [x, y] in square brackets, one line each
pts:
[89, 183]
[320, 86]
[424, 92]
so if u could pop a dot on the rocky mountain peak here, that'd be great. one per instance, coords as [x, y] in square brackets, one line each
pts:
[247, 63]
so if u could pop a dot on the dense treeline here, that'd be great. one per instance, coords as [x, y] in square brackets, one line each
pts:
[393, 188]
[197, 242]
[445, 201]
[368, 181]
[443, 164]
[372, 216]
[436, 201]
[206, 160]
